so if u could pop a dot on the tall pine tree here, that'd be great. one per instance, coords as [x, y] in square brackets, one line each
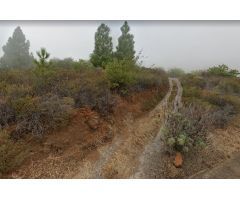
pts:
[103, 47]
[16, 51]
[125, 48]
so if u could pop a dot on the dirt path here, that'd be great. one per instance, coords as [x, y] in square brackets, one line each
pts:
[150, 160]
[131, 153]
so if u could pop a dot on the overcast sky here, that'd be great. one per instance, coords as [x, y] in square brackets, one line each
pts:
[187, 44]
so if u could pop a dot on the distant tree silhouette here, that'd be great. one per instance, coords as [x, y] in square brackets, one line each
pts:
[16, 51]
[103, 49]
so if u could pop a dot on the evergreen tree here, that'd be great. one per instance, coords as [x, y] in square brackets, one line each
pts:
[43, 56]
[16, 51]
[125, 48]
[103, 50]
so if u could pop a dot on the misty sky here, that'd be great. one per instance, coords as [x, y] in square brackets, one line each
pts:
[187, 44]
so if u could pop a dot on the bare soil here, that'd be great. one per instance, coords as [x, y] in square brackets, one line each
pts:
[79, 151]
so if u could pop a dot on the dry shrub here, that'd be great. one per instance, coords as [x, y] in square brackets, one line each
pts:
[150, 103]
[192, 92]
[7, 114]
[187, 129]
[194, 80]
[96, 96]
[222, 116]
[229, 86]
[40, 115]
[221, 100]
[12, 154]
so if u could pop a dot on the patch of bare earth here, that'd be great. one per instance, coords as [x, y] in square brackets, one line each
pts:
[120, 158]
[82, 148]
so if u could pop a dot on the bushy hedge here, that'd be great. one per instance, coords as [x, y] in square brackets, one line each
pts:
[125, 76]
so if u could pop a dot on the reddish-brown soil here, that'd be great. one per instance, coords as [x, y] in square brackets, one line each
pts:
[61, 153]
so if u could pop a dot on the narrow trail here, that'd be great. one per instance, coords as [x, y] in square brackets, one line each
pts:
[131, 155]
[150, 160]
[178, 98]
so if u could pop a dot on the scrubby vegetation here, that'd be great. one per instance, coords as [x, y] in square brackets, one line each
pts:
[40, 99]
[39, 96]
[211, 100]
[176, 72]
[187, 129]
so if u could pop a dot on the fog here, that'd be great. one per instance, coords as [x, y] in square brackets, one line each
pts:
[187, 44]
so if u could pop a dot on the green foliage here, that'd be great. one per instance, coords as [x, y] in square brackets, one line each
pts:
[42, 63]
[176, 72]
[223, 70]
[103, 49]
[125, 76]
[183, 131]
[125, 48]
[121, 73]
[16, 51]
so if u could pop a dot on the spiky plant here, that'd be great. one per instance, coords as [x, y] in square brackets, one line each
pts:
[43, 56]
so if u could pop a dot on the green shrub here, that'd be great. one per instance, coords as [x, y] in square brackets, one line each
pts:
[125, 77]
[183, 131]
[121, 74]
[223, 70]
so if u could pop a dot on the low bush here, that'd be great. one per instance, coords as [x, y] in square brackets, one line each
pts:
[220, 100]
[95, 95]
[150, 78]
[222, 116]
[187, 129]
[121, 74]
[7, 114]
[125, 77]
[229, 86]
[192, 92]
[40, 115]
[194, 80]
[12, 154]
